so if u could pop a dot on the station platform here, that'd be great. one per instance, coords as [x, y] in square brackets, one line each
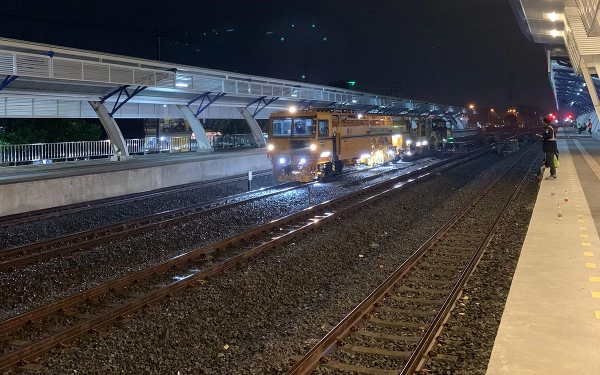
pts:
[551, 322]
[33, 187]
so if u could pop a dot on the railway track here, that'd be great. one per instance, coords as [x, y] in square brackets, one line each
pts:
[38, 331]
[21, 256]
[16, 219]
[393, 331]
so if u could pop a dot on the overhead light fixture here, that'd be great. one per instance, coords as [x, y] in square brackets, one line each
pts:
[554, 33]
[553, 16]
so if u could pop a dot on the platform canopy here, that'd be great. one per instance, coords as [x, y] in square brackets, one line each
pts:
[570, 30]
[40, 80]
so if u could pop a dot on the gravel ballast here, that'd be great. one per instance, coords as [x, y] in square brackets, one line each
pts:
[256, 317]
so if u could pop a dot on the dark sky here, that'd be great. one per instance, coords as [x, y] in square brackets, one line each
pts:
[443, 51]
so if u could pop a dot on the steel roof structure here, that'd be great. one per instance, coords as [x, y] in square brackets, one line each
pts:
[570, 29]
[51, 81]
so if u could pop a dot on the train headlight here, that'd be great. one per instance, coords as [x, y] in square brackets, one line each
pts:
[302, 161]
[313, 147]
[325, 154]
[281, 160]
[270, 147]
[418, 144]
[424, 143]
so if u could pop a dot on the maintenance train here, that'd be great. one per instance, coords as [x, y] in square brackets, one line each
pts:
[315, 143]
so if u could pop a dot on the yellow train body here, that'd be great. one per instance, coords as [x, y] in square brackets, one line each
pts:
[315, 143]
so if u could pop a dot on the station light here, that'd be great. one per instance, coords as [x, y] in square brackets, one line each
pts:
[293, 109]
[270, 147]
[325, 154]
[281, 161]
[302, 161]
[313, 147]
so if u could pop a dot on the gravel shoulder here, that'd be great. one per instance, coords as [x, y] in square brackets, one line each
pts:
[255, 317]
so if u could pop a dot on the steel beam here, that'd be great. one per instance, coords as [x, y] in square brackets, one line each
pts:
[120, 91]
[7, 81]
[204, 97]
[262, 101]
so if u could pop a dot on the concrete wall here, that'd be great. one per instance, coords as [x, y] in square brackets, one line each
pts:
[28, 196]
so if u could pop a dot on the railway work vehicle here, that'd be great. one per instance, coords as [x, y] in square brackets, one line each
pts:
[310, 144]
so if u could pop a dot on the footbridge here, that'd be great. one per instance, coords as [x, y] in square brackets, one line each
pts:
[42, 81]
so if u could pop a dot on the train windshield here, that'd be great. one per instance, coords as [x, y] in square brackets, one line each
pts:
[295, 127]
[323, 128]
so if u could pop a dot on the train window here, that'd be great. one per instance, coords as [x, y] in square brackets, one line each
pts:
[323, 128]
[304, 127]
[282, 126]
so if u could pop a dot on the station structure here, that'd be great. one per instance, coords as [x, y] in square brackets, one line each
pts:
[47, 81]
[551, 322]
[51, 81]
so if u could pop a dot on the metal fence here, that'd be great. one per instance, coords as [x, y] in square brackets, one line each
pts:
[43, 153]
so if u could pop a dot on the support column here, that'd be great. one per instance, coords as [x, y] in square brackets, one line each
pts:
[591, 87]
[257, 133]
[121, 152]
[197, 128]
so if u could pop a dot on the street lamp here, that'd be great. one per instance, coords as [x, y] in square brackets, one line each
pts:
[490, 111]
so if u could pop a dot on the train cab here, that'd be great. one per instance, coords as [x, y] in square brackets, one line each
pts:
[315, 143]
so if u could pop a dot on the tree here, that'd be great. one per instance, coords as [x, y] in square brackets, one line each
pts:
[23, 131]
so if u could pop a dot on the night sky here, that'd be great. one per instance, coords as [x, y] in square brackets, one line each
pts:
[442, 51]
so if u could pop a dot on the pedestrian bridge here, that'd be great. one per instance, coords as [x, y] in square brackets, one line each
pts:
[42, 81]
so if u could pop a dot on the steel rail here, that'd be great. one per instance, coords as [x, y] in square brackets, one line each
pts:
[333, 338]
[21, 218]
[417, 358]
[316, 216]
[82, 240]
[85, 239]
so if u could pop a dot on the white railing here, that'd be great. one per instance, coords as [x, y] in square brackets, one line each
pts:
[43, 153]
